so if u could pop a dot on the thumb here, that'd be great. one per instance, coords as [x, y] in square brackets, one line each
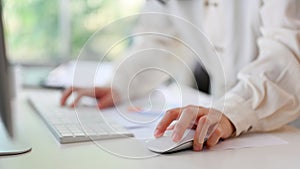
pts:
[228, 128]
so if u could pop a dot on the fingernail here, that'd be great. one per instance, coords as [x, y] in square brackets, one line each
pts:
[197, 148]
[175, 137]
[157, 132]
[100, 106]
[200, 141]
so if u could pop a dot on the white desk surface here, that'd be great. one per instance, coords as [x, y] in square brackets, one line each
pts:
[48, 153]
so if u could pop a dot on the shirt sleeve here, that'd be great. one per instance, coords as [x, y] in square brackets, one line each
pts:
[267, 94]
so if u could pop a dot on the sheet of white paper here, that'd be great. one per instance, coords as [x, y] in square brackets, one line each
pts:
[80, 73]
[141, 124]
[250, 140]
[143, 132]
[151, 109]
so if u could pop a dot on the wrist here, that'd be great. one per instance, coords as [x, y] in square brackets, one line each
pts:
[229, 127]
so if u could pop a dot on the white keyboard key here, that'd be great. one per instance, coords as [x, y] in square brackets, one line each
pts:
[70, 127]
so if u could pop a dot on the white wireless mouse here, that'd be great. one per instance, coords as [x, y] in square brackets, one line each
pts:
[165, 144]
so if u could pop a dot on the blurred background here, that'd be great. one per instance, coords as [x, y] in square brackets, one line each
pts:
[42, 34]
[50, 32]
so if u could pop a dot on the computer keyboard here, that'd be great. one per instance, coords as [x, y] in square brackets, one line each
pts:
[76, 125]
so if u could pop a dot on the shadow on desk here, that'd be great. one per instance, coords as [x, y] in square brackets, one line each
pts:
[295, 123]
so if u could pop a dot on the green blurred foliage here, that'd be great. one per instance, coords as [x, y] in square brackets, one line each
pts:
[32, 27]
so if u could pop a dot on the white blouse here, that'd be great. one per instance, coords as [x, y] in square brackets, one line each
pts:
[256, 74]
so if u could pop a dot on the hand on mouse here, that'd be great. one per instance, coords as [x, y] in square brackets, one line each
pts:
[204, 120]
[107, 96]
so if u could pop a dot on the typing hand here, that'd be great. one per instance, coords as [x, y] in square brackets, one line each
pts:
[106, 96]
[204, 120]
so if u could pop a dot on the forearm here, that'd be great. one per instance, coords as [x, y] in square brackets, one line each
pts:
[267, 95]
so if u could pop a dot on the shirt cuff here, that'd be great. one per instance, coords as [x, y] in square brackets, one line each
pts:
[238, 111]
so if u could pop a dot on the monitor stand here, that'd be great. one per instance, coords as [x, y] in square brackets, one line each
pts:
[9, 146]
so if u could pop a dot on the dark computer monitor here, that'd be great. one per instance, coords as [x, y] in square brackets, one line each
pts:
[5, 107]
[8, 145]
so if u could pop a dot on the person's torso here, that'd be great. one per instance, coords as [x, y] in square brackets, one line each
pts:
[232, 26]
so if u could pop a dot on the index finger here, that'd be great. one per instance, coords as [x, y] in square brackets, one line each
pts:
[186, 119]
[66, 94]
[168, 118]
